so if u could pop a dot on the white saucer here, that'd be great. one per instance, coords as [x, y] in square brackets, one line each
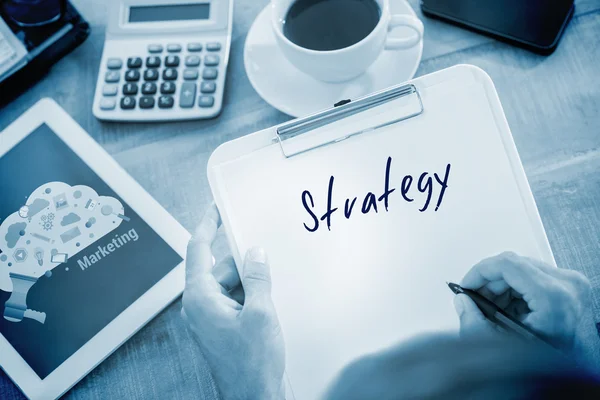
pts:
[295, 93]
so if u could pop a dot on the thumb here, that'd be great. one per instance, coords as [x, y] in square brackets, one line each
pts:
[256, 276]
[472, 320]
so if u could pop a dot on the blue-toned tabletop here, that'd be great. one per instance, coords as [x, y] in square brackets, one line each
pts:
[552, 105]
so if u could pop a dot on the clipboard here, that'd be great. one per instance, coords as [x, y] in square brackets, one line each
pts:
[348, 285]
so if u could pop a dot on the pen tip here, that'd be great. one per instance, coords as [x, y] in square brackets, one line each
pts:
[454, 287]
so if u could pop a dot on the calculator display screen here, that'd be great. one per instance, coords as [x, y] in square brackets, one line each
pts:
[171, 12]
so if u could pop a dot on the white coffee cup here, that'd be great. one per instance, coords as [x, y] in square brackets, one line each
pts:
[349, 62]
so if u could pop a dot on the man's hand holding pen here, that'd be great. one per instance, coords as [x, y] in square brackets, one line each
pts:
[238, 332]
[546, 299]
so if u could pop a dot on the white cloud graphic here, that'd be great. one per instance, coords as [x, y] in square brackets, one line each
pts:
[56, 223]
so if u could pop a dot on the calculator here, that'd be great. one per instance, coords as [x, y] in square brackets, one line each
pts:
[163, 60]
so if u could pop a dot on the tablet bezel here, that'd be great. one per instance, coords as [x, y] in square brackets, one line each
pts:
[146, 307]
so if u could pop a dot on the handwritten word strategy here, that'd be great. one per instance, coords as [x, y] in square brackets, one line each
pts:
[424, 184]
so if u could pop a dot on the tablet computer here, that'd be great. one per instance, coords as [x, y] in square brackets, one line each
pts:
[87, 256]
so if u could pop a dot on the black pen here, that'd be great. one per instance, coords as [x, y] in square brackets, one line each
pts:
[496, 315]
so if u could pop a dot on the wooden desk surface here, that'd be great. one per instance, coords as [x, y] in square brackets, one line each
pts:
[552, 104]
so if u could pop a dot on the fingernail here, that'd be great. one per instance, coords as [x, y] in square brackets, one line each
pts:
[257, 254]
[459, 304]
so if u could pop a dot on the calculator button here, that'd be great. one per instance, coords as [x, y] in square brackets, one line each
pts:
[213, 46]
[112, 76]
[192, 61]
[128, 103]
[208, 87]
[190, 74]
[148, 88]
[132, 75]
[146, 102]
[167, 87]
[114, 63]
[110, 89]
[210, 73]
[173, 48]
[187, 95]
[165, 102]
[206, 101]
[134, 62]
[155, 48]
[194, 47]
[130, 88]
[150, 74]
[170, 74]
[153, 62]
[172, 61]
[211, 60]
[107, 104]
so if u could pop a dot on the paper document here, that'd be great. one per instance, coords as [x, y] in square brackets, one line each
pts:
[12, 51]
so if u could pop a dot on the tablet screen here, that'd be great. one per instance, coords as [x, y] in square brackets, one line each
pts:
[73, 254]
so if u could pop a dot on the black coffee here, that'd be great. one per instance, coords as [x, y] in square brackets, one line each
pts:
[330, 24]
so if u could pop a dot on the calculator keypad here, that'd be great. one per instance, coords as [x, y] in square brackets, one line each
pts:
[206, 101]
[114, 63]
[169, 74]
[208, 87]
[130, 88]
[184, 77]
[132, 75]
[155, 48]
[166, 101]
[153, 62]
[194, 47]
[173, 48]
[213, 46]
[146, 102]
[210, 73]
[107, 104]
[190, 74]
[211, 60]
[192, 61]
[167, 87]
[151, 74]
[128, 103]
[149, 88]
[112, 76]
[187, 95]
[172, 61]
[110, 89]
[134, 62]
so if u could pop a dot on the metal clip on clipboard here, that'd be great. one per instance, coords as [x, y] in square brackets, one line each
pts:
[304, 134]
